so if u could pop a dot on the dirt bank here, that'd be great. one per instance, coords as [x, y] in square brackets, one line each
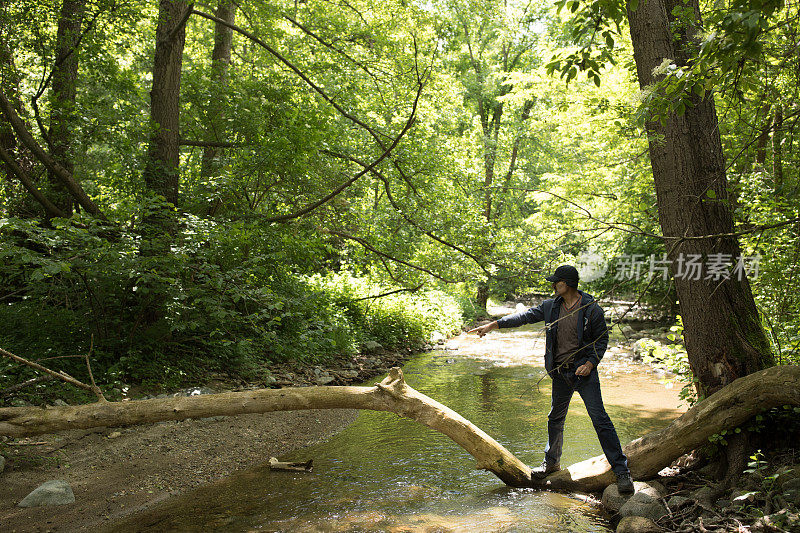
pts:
[113, 476]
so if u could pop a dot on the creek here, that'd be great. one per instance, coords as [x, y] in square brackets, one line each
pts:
[385, 473]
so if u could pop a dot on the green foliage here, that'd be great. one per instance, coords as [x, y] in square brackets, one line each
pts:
[505, 174]
[778, 426]
[673, 358]
[203, 308]
[395, 321]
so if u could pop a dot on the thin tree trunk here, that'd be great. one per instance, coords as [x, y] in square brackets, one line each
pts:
[220, 62]
[161, 170]
[777, 149]
[62, 114]
[723, 333]
[19, 204]
[761, 144]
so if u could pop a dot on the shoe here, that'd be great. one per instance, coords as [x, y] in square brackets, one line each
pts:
[545, 469]
[625, 483]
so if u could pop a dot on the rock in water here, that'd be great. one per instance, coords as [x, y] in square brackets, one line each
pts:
[49, 493]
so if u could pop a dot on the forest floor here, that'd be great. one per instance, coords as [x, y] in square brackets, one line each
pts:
[114, 472]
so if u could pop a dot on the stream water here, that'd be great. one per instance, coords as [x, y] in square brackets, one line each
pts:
[385, 473]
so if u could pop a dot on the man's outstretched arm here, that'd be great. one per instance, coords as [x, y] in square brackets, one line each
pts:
[484, 329]
[530, 316]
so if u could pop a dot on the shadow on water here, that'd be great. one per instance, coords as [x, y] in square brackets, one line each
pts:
[385, 473]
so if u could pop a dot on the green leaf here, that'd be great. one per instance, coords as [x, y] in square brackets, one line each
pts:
[572, 73]
[700, 90]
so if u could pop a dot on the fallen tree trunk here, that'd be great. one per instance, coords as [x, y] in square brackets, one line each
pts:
[727, 408]
[392, 394]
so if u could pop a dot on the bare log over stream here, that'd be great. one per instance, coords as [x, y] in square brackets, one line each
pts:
[392, 394]
[727, 408]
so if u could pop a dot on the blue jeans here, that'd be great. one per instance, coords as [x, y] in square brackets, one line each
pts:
[564, 384]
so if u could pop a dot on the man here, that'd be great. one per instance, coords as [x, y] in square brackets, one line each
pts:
[576, 341]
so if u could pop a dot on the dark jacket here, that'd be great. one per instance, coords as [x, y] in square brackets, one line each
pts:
[592, 329]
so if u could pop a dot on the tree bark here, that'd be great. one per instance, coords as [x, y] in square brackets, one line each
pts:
[19, 204]
[761, 144]
[161, 170]
[62, 114]
[723, 333]
[220, 62]
[726, 409]
[777, 149]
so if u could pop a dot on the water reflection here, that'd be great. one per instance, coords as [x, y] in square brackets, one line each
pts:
[385, 473]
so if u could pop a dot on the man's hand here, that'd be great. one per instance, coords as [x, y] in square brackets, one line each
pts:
[585, 369]
[486, 328]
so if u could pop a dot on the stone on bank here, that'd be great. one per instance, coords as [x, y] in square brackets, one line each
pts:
[49, 493]
[642, 504]
[613, 500]
[637, 524]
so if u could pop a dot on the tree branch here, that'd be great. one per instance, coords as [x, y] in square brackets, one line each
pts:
[60, 375]
[52, 165]
[27, 383]
[294, 69]
[374, 250]
[319, 39]
[368, 168]
[181, 23]
[383, 295]
[26, 181]
[408, 219]
[208, 144]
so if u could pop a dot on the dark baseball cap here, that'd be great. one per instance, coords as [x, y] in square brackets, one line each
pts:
[565, 273]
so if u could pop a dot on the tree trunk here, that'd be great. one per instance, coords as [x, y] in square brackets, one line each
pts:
[482, 294]
[62, 114]
[777, 150]
[161, 170]
[19, 203]
[220, 62]
[761, 144]
[723, 333]
[726, 409]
